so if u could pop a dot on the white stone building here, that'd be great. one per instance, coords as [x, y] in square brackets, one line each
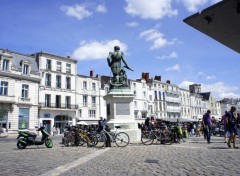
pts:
[90, 98]
[186, 106]
[173, 101]
[57, 90]
[196, 105]
[19, 80]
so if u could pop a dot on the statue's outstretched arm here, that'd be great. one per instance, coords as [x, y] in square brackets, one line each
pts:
[124, 61]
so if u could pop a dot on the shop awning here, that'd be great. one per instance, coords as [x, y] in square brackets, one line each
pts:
[180, 120]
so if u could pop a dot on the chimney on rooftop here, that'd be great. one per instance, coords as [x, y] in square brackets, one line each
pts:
[91, 73]
[168, 82]
[158, 78]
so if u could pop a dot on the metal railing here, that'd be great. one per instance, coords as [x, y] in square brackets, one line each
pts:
[60, 106]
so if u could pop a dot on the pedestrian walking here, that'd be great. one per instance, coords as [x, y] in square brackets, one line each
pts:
[207, 125]
[238, 126]
[231, 126]
[224, 123]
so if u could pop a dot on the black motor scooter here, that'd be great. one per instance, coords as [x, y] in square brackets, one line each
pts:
[26, 138]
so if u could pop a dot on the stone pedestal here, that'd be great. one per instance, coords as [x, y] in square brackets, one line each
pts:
[120, 112]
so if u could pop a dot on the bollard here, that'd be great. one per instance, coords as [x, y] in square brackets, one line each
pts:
[108, 141]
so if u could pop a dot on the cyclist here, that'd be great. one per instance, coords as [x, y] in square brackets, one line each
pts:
[101, 123]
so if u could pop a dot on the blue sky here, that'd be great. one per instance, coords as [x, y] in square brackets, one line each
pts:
[151, 33]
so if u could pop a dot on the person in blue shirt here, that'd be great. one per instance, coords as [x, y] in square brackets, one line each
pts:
[207, 125]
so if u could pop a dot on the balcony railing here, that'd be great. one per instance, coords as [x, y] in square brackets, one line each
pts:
[59, 106]
[23, 100]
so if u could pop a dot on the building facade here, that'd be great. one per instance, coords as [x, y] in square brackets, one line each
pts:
[45, 89]
[57, 90]
[19, 81]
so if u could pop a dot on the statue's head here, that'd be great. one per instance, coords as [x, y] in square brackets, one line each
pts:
[116, 48]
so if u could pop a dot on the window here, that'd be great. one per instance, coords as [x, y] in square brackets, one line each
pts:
[58, 81]
[47, 100]
[48, 79]
[5, 64]
[23, 118]
[85, 85]
[155, 95]
[84, 100]
[25, 69]
[92, 113]
[94, 86]
[58, 101]
[59, 66]
[4, 88]
[150, 97]
[68, 102]
[135, 104]
[144, 94]
[160, 95]
[49, 64]
[68, 68]
[68, 82]
[25, 91]
[144, 115]
[106, 89]
[93, 101]
[80, 113]
[134, 85]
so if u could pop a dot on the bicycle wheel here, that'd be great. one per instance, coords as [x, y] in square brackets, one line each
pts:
[147, 138]
[101, 140]
[93, 139]
[122, 139]
[79, 141]
[166, 139]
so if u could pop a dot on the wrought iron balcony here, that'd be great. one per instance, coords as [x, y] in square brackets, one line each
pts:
[58, 106]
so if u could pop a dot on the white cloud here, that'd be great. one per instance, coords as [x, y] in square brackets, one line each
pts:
[170, 56]
[77, 11]
[193, 5]
[157, 38]
[215, 1]
[132, 24]
[185, 84]
[101, 8]
[150, 9]
[96, 49]
[218, 89]
[176, 67]
[210, 77]
[200, 73]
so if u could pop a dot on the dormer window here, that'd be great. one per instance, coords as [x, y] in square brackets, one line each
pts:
[49, 64]
[5, 65]
[68, 68]
[25, 69]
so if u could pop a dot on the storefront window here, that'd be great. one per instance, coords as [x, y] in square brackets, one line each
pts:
[23, 118]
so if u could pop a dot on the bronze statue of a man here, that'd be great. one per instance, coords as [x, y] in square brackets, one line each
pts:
[114, 61]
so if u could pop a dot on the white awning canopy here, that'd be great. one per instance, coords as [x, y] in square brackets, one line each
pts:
[220, 22]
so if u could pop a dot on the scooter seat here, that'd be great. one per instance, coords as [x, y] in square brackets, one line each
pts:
[31, 134]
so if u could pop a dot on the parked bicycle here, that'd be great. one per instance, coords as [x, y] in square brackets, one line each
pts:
[120, 138]
[162, 135]
[75, 136]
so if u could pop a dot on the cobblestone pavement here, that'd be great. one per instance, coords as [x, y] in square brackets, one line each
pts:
[194, 157]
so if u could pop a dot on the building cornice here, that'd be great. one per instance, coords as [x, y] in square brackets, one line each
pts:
[20, 77]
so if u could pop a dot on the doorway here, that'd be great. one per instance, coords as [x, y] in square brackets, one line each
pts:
[47, 125]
